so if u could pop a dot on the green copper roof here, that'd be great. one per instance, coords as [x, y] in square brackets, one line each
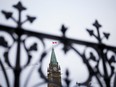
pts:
[53, 58]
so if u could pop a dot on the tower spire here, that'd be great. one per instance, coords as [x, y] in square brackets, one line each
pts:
[53, 58]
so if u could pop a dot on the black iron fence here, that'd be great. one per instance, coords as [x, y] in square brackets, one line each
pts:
[18, 33]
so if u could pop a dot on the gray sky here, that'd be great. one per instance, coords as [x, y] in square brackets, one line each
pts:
[77, 15]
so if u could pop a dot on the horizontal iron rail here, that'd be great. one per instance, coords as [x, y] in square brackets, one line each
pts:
[60, 38]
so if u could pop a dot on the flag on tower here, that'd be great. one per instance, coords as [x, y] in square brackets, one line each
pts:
[54, 42]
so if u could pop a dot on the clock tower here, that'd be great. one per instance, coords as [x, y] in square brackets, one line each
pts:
[54, 73]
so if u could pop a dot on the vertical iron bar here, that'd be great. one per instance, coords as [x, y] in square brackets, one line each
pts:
[17, 70]
[99, 38]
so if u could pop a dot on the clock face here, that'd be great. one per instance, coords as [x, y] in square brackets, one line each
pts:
[55, 68]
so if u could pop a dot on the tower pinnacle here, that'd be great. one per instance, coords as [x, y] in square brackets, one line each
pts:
[53, 58]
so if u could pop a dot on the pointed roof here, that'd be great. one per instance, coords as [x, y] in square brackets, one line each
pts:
[53, 58]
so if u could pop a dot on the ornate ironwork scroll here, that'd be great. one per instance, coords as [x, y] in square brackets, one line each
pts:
[20, 35]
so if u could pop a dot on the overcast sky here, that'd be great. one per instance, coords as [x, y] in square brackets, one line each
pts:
[77, 15]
